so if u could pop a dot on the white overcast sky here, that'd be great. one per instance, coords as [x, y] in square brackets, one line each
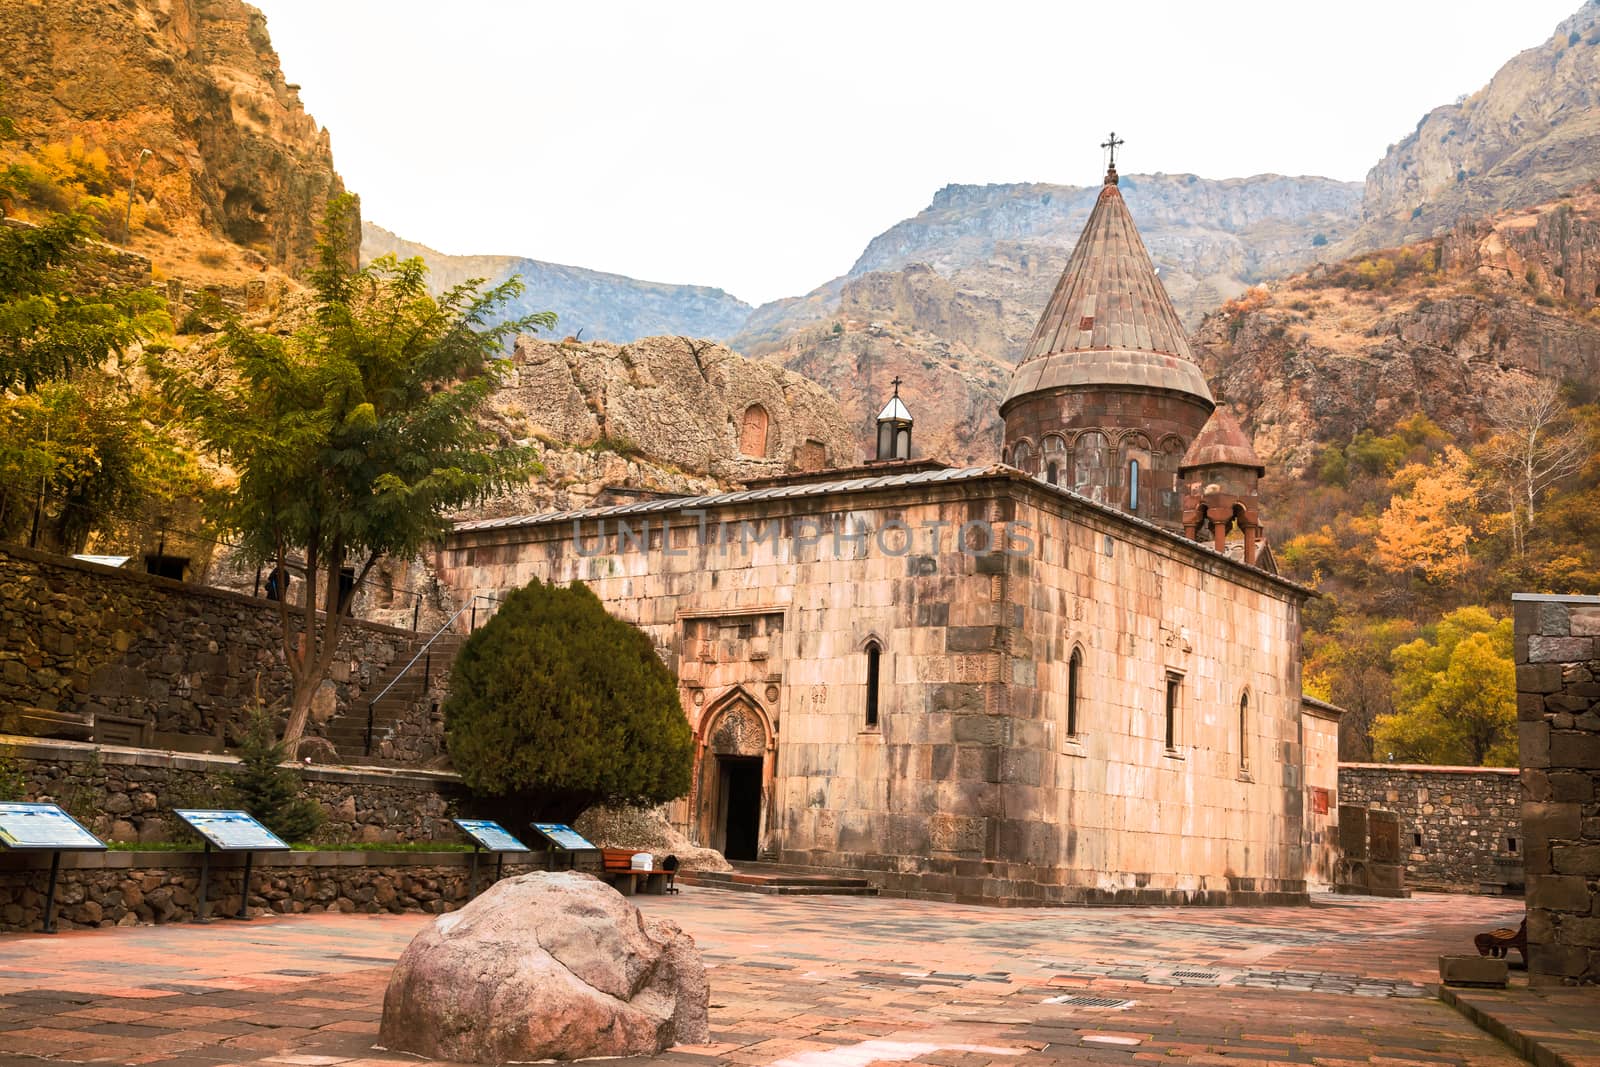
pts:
[759, 146]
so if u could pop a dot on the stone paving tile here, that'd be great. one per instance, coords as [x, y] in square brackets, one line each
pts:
[813, 982]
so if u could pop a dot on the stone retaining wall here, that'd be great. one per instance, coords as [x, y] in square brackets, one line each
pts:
[1460, 827]
[127, 888]
[127, 794]
[1558, 733]
[183, 659]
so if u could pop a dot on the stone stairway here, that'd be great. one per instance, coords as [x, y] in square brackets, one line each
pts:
[411, 689]
[782, 879]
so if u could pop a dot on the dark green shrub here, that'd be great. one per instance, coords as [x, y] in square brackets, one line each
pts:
[559, 705]
[269, 790]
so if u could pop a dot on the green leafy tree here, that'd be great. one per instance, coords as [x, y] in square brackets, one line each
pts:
[51, 323]
[353, 438]
[556, 702]
[1455, 694]
[267, 789]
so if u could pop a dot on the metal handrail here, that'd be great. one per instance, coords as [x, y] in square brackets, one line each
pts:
[425, 650]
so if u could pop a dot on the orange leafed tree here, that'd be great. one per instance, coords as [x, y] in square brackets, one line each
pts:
[1427, 528]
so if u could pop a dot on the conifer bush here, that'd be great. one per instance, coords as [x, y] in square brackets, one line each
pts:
[557, 705]
[269, 790]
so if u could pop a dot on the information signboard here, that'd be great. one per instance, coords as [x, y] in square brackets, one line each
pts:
[232, 831]
[44, 827]
[490, 835]
[564, 837]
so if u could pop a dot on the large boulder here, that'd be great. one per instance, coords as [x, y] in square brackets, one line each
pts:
[548, 965]
[646, 829]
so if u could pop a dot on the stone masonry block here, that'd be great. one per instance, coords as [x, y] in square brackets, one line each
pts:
[1553, 620]
[1580, 931]
[1585, 622]
[1559, 892]
[969, 638]
[1560, 649]
[1533, 742]
[1576, 859]
[1525, 617]
[1575, 749]
[1539, 678]
[1530, 707]
[1473, 971]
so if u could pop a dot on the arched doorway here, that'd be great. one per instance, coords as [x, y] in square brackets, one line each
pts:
[731, 782]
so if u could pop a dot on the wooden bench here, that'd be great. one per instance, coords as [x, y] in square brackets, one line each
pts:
[1497, 942]
[616, 867]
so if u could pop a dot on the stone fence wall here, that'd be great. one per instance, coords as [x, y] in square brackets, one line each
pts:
[113, 644]
[1460, 827]
[126, 888]
[1558, 734]
[127, 794]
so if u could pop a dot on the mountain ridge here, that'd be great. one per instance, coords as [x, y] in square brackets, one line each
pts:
[601, 305]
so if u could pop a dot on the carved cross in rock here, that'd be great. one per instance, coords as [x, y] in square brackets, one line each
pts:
[1113, 143]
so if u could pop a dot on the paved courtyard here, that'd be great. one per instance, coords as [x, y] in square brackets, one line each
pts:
[813, 982]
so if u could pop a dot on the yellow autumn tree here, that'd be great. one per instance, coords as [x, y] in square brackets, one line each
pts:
[1427, 526]
[1455, 695]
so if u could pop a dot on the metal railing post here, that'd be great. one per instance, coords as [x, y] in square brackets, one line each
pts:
[369, 727]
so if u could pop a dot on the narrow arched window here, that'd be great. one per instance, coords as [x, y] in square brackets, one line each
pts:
[1074, 687]
[1244, 731]
[874, 659]
[1133, 485]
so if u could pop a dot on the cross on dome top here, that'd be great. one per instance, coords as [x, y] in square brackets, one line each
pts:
[1113, 143]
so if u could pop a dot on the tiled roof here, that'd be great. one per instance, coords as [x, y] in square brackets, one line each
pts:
[1223, 441]
[825, 487]
[1109, 321]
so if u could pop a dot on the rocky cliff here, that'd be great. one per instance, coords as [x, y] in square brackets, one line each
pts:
[663, 414]
[234, 158]
[1436, 327]
[1529, 135]
[591, 304]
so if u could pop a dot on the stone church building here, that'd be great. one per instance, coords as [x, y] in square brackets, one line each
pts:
[1069, 676]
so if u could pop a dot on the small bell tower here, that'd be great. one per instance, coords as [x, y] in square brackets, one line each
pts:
[894, 429]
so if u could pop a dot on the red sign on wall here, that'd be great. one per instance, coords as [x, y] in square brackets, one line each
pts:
[1319, 800]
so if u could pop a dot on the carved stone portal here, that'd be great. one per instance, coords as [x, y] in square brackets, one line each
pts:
[739, 733]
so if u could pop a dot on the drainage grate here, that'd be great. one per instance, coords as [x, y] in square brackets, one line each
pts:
[1090, 1002]
[1196, 974]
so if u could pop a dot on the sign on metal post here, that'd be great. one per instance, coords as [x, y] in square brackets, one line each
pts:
[229, 831]
[488, 836]
[31, 827]
[564, 837]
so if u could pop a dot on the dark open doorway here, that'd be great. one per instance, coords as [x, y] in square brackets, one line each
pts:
[741, 805]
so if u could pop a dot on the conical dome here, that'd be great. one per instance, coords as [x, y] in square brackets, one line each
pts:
[1222, 443]
[1109, 321]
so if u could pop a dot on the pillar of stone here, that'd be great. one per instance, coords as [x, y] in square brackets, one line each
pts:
[1558, 730]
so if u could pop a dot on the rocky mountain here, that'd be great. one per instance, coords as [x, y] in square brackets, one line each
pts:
[590, 304]
[947, 299]
[237, 172]
[1210, 239]
[1438, 326]
[1529, 135]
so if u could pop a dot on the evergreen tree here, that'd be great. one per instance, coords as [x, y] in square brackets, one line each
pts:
[269, 790]
[557, 703]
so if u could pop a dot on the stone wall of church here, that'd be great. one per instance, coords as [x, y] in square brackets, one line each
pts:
[1091, 436]
[968, 785]
[1320, 742]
